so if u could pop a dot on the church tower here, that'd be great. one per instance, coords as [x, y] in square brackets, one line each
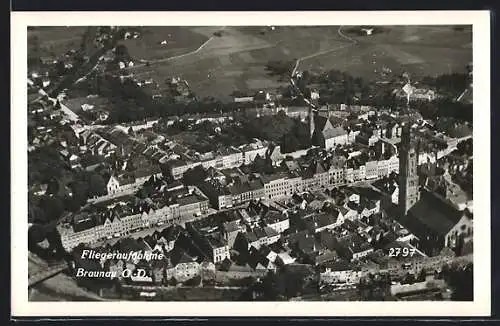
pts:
[311, 121]
[408, 178]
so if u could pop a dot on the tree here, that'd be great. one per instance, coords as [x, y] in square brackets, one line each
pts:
[59, 69]
[80, 190]
[35, 213]
[194, 176]
[421, 276]
[195, 281]
[121, 53]
[460, 279]
[36, 234]
[142, 193]
[97, 186]
[289, 143]
[268, 287]
[44, 163]
[280, 68]
[53, 207]
[409, 278]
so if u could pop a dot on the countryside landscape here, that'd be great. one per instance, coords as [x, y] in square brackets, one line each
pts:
[217, 61]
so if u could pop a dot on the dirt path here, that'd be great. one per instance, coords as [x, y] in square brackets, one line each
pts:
[177, 56]
[342, 35]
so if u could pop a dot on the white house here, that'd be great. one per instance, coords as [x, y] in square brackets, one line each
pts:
[117, 184]
[340, 272]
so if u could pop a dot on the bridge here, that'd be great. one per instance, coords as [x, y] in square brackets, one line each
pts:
[39, 270]
[41, 276]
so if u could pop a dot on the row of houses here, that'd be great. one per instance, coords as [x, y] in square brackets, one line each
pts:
[296, 179]
[224, 159]
[118, 219]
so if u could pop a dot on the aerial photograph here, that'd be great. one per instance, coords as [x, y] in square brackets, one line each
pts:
[250, 163]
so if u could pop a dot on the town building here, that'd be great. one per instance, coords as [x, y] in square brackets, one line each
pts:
[438, 225]
[276, 220]
[184, 267]
[340, 272]
[211, 241]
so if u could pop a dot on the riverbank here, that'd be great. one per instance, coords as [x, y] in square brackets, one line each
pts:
[133, 293]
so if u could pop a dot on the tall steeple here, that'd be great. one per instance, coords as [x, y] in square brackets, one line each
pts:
[311, 121]
[408, 178]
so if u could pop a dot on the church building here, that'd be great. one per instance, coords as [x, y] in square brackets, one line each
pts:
[323, 133]
[435, 222]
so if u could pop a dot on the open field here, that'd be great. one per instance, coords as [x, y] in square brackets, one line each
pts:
[419, 50]
[53, 41]
[368, 60]
[237, 59]
[429, 35]
[148, 45]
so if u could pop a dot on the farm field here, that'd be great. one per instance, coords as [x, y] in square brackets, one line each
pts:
[368, 60]
[237, 59]
[419, 50]
[148, 46]
[216, 66]
[429, 35]
[54, 40]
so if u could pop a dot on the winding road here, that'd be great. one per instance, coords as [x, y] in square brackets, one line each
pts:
[342, 35]
[177, 56]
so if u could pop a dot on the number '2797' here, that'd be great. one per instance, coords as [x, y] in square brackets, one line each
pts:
[403, 252]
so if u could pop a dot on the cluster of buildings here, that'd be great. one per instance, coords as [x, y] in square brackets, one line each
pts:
[178, 261]
[94, 108]
[341, 236]
[412, 93]
[46, 123]
[123, 216]
[307, 211]
[198, 248]
[304, 209]
[312, 172]
[221, 159]
[112, 153]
